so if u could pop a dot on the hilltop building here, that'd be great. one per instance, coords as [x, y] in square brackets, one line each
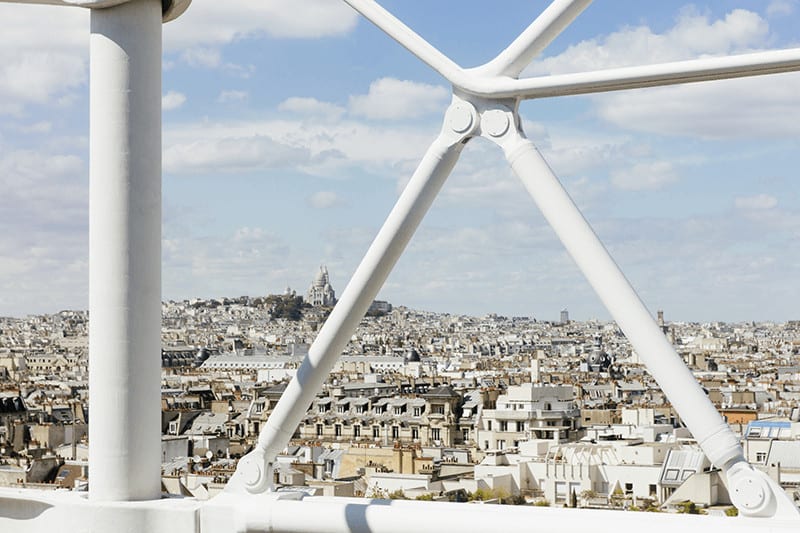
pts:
[320, 293]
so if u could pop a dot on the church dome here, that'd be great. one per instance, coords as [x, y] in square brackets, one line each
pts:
[599, 359]
[322, 277]
[412, 356]
[201, 356]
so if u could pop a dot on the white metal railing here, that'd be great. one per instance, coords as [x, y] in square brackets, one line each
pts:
[125, 297]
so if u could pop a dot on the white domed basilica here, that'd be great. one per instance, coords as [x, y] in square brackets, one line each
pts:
[320, 293]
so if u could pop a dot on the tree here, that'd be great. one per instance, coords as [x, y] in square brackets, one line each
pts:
[587, 495]
[689, 507]
[617, 497]
[285, 306]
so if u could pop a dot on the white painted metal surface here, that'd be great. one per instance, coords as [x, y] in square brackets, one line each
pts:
[171, 9]
[370, 275]
[125, 298]
[499, 78]
[713, 434]
[535, 38]
[36, 511]
[492, 93]
[31, 511]
[125, 252]
[282, 513]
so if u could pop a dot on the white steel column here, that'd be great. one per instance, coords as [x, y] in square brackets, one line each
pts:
[383, 253]
[530, 43]
[356, 299]
[125, 252]
[712, 433]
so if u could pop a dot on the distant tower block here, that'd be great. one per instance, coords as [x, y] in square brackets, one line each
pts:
[665, 328]
[320, 293]
[536, 370]
[564, 316]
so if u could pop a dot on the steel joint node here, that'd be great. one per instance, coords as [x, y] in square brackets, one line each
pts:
[494, 122]
[461, 117]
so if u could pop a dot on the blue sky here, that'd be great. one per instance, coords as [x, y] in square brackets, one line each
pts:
[290, 128]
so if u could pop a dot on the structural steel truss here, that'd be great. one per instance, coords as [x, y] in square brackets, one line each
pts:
[125, 291]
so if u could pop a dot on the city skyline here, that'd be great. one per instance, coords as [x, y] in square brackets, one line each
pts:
[286, 141]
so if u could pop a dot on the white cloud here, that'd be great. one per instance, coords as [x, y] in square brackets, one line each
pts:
[172, 100]
[245, 261]
[41, 184]
[34, 70]
[213, 23]
[42, 127]
[312, 107]
[202, 57]
[324, 200]
[644, 176]
[758, 201]
[779, 8]
[43, 231]
[573, 153]
[319, 147]
[389, 98]
[208, 25]
[692, 36]
[230, 96]
[231, 154]
[767, 106]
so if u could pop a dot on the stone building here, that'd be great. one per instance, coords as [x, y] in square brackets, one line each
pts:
[428, 420]
[320, 293]
[530, 411]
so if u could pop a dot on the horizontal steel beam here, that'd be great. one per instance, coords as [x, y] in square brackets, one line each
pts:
[170, 9]
[661, 74]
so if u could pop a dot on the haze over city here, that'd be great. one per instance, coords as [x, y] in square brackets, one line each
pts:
[287, 140]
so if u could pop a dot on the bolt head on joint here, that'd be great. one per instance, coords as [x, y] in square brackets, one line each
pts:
[252, 471]
[750, 493]
[495, 123]
[460, 117]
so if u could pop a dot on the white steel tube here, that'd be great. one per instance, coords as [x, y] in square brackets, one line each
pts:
[496, 79]
[410, 40]
[73, 3]
[712, 433]
[352, 515]
[43, 2]
[367, 280]
[125, 252]
[535, 38]
[617, 79]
